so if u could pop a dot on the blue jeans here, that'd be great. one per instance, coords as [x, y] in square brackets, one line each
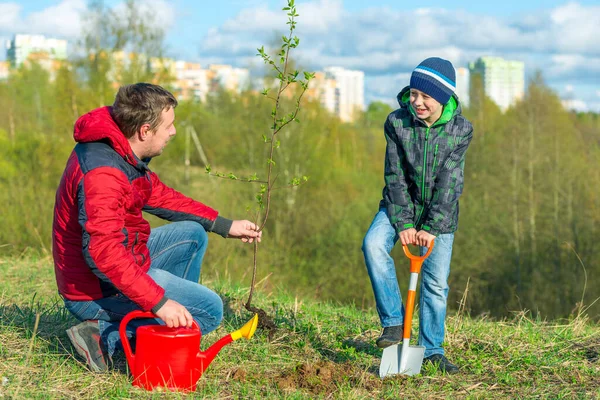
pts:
[377, 245]
[176, 250]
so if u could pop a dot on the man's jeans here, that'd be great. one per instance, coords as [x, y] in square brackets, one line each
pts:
[176, 250]
[378, 243]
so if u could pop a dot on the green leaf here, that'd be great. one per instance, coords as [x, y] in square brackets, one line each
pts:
[208, 169]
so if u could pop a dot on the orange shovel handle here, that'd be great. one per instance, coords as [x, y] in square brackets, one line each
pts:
[415, 268]
[410, 306]
[416, 261]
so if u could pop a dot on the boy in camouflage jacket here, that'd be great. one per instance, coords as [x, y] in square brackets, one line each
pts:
[427, 138]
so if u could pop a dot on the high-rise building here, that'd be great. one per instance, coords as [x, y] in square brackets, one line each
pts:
[324, 90]
[21, 47]
[4, 69]
[230, 78]
[463, 84]
[191, 81]
[350, 86]
[503, 80]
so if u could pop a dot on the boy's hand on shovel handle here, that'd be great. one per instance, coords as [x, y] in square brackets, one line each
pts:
[424, 239]
[408, 236]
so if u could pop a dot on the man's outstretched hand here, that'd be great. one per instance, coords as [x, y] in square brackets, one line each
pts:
[245, 230]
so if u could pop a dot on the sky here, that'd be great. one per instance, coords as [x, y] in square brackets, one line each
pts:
[384, 38]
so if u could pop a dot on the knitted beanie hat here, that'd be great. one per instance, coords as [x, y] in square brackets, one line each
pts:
[435, 77]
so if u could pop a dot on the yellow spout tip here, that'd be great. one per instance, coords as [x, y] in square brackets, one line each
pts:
[246, 331]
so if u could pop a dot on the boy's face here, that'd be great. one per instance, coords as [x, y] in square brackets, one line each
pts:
[427, 108]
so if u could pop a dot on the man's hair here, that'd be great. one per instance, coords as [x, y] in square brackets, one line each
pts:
[139, 104]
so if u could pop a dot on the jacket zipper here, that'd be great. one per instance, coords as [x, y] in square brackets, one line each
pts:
[424, 176]
[434, 159]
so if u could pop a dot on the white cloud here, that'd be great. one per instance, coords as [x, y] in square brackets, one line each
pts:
[65, 18]
[9, 16]
[62, 20]
[388, 43]
[156, 12]
[383, 39]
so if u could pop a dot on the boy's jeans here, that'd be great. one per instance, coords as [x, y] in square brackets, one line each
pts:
[377, 245]
[176, 250]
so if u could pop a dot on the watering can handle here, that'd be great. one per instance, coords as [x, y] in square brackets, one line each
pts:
[123, 331]
[416, 261]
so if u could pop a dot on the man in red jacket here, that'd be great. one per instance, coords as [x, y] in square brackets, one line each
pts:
[107, 261]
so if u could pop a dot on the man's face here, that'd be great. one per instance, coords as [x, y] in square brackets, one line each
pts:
[158, 139]
[427, 108]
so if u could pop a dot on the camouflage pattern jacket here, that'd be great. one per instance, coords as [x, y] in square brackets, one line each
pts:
[424, 167]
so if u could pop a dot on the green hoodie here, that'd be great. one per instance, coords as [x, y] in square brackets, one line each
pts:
[424, 167]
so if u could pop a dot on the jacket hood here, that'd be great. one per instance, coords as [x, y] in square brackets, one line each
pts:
[451, 109]
[98, 125]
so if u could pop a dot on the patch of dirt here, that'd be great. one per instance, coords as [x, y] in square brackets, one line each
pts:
[239, 374]
[264, 321]
[592, 351]
[325, 377]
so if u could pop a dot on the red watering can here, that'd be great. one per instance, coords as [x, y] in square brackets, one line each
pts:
[171, 357]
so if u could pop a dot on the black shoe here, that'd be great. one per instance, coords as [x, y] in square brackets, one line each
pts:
[390, 335]
[86, 340]
[442, 363]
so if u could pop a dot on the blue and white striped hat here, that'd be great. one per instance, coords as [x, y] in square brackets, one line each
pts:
[436, 78]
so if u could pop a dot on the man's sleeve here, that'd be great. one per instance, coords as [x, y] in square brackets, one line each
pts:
[102, 212]
[447, 189]
[398, 202]
[171, 205]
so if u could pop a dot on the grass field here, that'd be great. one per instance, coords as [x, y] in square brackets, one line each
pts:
[320, 350]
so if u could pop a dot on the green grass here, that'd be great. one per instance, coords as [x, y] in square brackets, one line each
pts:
[320, 350]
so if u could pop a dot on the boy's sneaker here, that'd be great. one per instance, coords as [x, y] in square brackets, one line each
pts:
[390, 335]
[86, 340]
[442, 363]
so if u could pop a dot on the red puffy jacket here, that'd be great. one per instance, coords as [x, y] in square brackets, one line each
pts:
[99, 235]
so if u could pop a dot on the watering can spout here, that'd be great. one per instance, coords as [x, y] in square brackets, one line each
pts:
[247, 331]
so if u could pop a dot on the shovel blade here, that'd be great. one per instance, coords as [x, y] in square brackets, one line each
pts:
[404, 361]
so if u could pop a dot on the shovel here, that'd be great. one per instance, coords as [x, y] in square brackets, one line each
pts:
[406, 360]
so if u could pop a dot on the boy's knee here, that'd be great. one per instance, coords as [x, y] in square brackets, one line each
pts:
[438, 288]
[373, 243]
